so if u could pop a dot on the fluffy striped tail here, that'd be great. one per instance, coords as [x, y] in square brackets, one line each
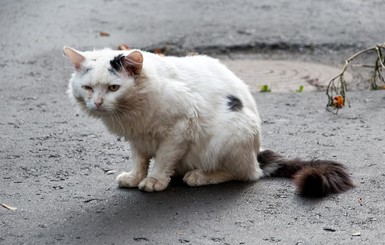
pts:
[316, 178]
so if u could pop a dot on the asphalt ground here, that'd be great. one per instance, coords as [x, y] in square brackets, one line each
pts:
[58, 167]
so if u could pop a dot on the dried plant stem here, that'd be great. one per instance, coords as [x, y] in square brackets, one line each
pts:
[337, 87]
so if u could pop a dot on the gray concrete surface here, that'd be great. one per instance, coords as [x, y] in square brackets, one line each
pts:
[57, 166]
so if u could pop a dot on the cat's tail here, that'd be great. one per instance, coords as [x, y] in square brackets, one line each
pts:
[316, 178]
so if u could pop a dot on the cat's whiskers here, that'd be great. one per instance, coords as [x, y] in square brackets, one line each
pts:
[128, 113]
[123, 108]
[89, 111]
[118, 119]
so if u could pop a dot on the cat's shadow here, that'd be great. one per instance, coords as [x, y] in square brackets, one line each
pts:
[131, 211]
[138, 214]
[180, 199]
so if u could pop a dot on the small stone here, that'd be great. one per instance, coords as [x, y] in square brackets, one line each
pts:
[138, 239]
[184, 240]
[330, 229]
[112, 171]
[104, 34]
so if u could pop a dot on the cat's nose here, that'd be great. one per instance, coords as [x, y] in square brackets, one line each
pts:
[98, 102]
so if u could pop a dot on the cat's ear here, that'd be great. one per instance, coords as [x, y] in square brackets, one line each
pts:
[75, 56]
[133, 63]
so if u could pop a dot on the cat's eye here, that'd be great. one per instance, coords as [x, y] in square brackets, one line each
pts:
[113, 88]
[86, 87]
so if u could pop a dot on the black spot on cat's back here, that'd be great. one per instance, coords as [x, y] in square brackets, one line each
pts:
[234, 103]
[116, 62]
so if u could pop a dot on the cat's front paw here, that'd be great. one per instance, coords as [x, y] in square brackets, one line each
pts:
[196, 178]
[151, 184]
[128, 180]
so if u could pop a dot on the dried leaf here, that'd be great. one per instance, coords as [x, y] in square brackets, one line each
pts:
[123, 47]
[338, 101]
[104, 34]
[159, 51]
[8, 207]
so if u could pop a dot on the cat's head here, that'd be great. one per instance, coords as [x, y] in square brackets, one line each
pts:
[104, 79]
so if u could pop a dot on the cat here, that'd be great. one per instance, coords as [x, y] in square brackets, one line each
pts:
[192, 115]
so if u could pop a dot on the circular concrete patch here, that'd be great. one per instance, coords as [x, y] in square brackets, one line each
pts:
[284, 76]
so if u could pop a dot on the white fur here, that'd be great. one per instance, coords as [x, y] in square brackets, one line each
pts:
[183, 120]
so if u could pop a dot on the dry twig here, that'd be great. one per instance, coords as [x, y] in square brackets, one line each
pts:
[8, 207]
[337, 88]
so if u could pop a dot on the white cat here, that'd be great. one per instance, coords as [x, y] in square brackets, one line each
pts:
[192, 115]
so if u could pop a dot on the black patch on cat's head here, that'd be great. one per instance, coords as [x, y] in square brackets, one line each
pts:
[116, 62]
[234, 103]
